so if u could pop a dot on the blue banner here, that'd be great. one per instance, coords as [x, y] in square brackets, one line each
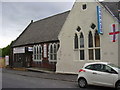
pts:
[99, 19]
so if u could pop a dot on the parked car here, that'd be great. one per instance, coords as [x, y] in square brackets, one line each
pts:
[99, 73]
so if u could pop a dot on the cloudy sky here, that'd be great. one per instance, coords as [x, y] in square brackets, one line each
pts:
[15, 16]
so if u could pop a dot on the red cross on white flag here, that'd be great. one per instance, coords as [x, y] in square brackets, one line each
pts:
[114, 33]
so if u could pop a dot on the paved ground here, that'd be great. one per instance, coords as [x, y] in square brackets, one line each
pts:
[27, 79]
[53, 76]
[18, 81]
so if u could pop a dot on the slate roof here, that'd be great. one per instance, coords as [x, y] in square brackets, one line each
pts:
[42, 31]
[112, 7]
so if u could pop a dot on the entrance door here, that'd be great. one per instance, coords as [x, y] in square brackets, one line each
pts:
[28, 61]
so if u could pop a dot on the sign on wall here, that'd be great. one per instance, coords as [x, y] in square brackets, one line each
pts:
[30, 49]
[114, 32]
[99, 20]
[19, 50]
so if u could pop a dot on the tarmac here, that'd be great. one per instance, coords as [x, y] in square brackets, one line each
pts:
[32, 72]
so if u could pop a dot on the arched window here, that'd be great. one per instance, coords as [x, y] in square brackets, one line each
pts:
[76, 42]
[97, 39]
[81, 40]
[94, 50]
[53, 52]
[37, 53]
[90, 39]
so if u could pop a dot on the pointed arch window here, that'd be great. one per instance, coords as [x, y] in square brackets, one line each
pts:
[76, 42]
[90, 38]
[94, 50]
[81, 40]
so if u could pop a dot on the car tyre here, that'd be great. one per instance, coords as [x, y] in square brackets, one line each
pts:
[82, 83]
[118, 85]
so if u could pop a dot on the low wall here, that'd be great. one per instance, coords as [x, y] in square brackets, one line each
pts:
[2, 62]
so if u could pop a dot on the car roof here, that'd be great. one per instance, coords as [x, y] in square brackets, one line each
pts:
[96, 63]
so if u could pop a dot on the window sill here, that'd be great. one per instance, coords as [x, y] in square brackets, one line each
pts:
[37, 60]
[52, 60]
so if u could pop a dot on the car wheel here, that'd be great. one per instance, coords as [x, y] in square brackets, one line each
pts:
[82, 83]
[118, 85]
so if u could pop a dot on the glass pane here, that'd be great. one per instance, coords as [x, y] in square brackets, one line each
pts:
[55, 49]
[51, 49]
[81, 40]
[58, 46]
[82, 57]
[90, 38]
[55, 57]
[91, 54]
[76, 41]
[97, 39]
[51, 57]
[97, 54]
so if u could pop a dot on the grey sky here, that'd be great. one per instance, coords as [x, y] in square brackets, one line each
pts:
[17, 15]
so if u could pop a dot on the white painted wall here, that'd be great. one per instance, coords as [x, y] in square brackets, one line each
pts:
[67, 63]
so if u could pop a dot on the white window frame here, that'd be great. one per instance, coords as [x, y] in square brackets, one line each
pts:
[53, 53]
[35, 54]
[94, 48]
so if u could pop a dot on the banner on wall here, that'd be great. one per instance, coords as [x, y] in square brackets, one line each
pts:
[99, 20]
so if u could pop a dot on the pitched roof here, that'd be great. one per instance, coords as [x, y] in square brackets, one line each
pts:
[42, 31]
[112, 8]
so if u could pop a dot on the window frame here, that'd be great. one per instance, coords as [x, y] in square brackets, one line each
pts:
[83, 6]
[94, 47]
[54, 53]
[36, 53]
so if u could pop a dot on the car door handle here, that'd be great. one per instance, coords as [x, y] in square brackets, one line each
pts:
[94, 73]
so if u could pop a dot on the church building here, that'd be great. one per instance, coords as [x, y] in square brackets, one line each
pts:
[66, 41]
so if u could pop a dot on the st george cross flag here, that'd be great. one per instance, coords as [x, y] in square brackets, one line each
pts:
[114, 32]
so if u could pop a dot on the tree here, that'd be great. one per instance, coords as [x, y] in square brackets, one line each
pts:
[6, 50]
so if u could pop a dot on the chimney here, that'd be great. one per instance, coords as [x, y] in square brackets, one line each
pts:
[31, 21]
